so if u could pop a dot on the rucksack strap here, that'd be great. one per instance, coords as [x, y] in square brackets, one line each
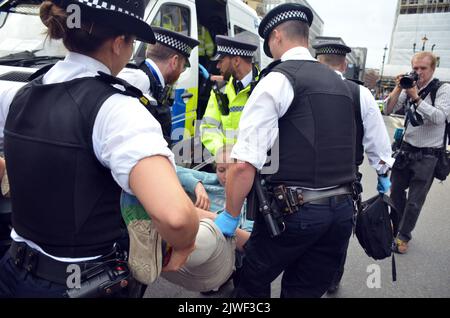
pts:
[436, 85]
[413, 117]
[389, 202]
[446, 134]
[394, 268]
[433, 95]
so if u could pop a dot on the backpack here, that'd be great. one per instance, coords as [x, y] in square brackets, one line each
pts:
[442, 169]
[433, 94]
[376, 228]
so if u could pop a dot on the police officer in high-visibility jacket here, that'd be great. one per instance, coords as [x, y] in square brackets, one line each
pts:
[206, 46]
[221, 120]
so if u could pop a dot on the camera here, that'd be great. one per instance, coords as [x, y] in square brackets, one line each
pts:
[407, 81]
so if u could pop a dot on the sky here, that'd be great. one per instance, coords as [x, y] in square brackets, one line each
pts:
[360, 23]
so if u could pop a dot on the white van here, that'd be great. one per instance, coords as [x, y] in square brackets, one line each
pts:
[24, 47]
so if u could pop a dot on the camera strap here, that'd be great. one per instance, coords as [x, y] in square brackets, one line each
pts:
[411, 115]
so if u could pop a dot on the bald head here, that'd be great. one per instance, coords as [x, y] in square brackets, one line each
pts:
[286, 36]
[336, 62]
[295, 30]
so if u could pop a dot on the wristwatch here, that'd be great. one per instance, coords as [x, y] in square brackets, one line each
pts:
[416, 101]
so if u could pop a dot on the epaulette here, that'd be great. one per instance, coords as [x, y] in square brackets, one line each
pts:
[355, 81]
[128, 89]
[40, 72]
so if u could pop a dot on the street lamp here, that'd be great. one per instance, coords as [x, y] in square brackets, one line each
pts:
[424, 40]
[382, 72]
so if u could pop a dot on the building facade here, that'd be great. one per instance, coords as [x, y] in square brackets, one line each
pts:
[420, 25]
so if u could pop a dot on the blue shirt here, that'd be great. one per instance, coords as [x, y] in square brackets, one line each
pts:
[216, 192]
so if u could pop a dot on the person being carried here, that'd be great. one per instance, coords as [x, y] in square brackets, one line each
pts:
[209, 188]
[210, 265]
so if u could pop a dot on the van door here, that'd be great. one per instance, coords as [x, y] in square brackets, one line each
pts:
[180, 16]
[244, 23]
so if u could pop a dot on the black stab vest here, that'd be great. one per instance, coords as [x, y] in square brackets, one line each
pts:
[356, 93]
[63, 199]
[317, 134]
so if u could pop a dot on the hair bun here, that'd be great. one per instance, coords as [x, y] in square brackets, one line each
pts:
[54, 18]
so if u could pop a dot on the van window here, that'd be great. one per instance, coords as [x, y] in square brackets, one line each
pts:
[173, 17]
[2, 18]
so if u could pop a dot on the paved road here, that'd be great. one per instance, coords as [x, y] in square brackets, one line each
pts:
[423, 272]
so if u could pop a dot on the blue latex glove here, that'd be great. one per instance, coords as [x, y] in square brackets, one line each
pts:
[227, 223]
[203, 71]
[384, 184]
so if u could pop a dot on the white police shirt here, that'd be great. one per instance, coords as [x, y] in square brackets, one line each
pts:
[247, 79]
[139, 79]
[376, 141]
[124, 131]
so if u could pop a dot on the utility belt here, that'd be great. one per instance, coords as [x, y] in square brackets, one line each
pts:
[100, 277]
[277, 201]
[291, 199]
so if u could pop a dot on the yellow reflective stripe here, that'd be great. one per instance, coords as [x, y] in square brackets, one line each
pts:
[211, 121]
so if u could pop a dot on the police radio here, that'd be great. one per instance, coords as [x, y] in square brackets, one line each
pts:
[222, 100]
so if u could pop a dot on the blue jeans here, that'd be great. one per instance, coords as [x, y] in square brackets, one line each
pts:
[18, 283]
[309, 252]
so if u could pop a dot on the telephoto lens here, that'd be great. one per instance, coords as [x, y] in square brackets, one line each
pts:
[409, 80]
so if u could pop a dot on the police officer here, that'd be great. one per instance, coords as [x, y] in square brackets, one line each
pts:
[206, 45]
[166, 60]
[219, 124]
[72, 141]
[371, 133]
[306, 105]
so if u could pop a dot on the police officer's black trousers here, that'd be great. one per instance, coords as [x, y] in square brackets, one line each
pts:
[309, 252]
[17, 282]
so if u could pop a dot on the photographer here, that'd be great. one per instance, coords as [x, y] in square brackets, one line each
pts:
[424, 135]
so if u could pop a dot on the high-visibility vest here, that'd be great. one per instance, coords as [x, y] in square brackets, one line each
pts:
[167, 22]
[206, 45]
[218, 130]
